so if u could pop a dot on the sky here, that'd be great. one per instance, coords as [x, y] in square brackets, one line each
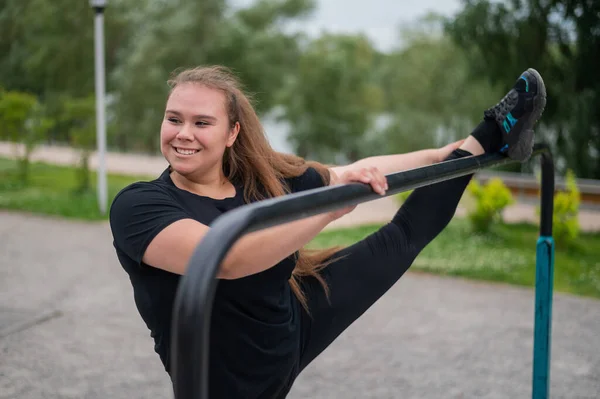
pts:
[378, 19]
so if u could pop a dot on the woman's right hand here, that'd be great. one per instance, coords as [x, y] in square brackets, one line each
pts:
[371, 176]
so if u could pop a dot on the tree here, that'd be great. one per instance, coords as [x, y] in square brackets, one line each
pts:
[253, 42]
[561, 39]
[24, 121]
[79, 116]
[48, 51]
[47, 47]
[331, 99]
[185, 33]
[169, 35]
[431, 97]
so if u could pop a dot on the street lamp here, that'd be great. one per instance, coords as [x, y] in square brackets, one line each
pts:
[99, 6]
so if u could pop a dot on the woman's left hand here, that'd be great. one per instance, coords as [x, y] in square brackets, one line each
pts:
[371, 176]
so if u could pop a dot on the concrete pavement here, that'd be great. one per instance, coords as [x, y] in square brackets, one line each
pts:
[69, 329]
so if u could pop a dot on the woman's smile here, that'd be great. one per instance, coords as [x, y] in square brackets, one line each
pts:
[185, 151]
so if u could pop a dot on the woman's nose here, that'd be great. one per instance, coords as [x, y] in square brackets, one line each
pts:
[185, 133]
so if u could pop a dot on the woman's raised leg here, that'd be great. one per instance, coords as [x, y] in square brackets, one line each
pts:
[366, 270]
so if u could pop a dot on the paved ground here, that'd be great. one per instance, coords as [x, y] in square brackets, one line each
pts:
[374, 211]
[69, 329]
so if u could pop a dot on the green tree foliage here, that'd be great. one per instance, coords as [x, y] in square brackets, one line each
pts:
[14, 111]
[24, 121]
[355, 100]
[253, 42]
[169, 35]
[560, 38]
[48, 50]
[48, 46]
[78, 116]
[331, 99]
[430, 95]
[187, 33]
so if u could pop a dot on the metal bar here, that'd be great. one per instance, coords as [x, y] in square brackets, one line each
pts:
[544, 274]
[544, 279]
[194, 299]
[547, 195]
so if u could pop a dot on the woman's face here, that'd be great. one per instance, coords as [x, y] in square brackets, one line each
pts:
[195, 130]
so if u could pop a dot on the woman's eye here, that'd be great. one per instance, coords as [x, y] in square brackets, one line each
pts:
[201, 123]
[173, 120]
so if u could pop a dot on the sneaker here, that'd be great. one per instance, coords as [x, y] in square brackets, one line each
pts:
[517, 112]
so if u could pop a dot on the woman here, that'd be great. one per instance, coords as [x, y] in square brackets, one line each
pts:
[278, 306]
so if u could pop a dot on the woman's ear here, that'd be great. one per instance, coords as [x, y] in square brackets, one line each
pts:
[233, 133]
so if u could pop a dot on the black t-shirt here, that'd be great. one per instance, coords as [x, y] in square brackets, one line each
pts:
[254, 346]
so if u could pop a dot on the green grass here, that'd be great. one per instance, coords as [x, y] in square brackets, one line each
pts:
[51, 191]
[506, 255]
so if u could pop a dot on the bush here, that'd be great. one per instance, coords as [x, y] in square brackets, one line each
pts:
[566, 210]
[490, 201]
[23, 120]
[78, 115]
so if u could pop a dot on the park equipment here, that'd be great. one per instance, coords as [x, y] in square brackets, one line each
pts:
[193, 303]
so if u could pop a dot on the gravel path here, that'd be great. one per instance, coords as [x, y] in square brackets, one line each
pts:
[69, 329]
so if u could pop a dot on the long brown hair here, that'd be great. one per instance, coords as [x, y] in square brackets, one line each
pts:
[252, 161]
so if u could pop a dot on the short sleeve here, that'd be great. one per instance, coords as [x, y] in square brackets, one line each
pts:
[309, 180]
[138, 213]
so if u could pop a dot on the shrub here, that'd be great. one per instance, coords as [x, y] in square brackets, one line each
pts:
[565, 222]
[23, 120]
[78, 114]
[490, 201]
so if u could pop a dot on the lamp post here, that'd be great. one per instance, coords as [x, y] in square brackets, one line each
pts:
[99, 6]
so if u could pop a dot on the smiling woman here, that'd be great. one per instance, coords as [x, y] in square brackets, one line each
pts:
[277, 305]
[196, 121]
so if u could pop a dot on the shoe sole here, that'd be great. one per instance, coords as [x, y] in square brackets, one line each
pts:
[523, 148]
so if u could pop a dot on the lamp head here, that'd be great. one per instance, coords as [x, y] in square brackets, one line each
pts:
[98, 3]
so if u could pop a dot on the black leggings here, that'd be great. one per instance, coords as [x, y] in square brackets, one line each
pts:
[367, 269]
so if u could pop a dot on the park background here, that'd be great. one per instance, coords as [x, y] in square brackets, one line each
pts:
[333, 81]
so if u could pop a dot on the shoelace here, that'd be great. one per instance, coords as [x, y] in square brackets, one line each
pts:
[508, 102]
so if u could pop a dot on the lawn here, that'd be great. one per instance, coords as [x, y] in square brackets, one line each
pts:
[506, 255]
[51, 191]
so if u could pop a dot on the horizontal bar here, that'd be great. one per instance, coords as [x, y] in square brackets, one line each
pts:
[195, 295]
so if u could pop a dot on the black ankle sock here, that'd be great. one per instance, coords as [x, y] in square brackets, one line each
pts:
[489, 135]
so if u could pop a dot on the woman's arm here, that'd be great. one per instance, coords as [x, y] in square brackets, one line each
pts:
[172, 248]
[398, 162]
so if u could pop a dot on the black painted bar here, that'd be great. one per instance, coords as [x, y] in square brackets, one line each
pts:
[193, 303]
[547, 195]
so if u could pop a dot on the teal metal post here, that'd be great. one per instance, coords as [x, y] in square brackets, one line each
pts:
[544, 279]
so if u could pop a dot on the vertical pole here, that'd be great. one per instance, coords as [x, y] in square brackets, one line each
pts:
[100, 108]
[544, 285]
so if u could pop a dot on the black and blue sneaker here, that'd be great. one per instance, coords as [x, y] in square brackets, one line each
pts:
[517, 112]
